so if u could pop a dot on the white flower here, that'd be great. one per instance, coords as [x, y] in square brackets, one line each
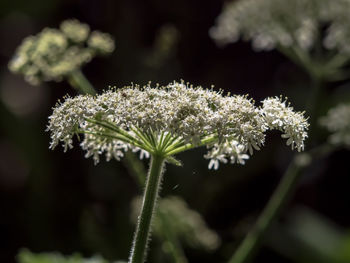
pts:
[337, 121]
[74, 30]
[170, 119]
[293, 23]
[214, 162]
[143, 153]
[101, 42]
[280, 116]
[53, 54]
[219, 152]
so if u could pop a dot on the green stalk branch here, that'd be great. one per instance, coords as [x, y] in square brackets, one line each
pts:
[168, 141]
[175, 150]
[122, 133]
[113, 136]
[78, 81]
[140, 135]
[154, 178]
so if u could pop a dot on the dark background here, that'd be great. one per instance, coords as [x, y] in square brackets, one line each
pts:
[55, 201]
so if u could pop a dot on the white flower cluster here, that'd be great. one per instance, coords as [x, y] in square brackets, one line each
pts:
[182, 115]
[53, 54]
[272, 23]
[281, 116]
[337, 121]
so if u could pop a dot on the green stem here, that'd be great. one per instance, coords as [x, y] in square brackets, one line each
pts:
[173, 245]
[175, 149]
[299, 57]
[246, 250]
[78, 81]
[170, 238]
[251, 242]
[154, 178]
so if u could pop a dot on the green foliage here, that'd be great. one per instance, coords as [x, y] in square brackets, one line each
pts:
[175, 218]
[25, 256]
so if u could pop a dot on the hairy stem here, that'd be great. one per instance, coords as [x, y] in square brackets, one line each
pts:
[154, 178]
[78, 81]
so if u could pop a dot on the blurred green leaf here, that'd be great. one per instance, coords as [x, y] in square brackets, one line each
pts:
[25, 256]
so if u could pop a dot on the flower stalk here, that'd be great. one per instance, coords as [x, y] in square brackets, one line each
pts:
[58, 54]
[172, 243]
[281, 195]
[143, 228]
[79, 82]
[165, 121]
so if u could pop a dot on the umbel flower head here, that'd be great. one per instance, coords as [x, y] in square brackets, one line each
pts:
[53, 54]
[280, 23]
[337, 121]
[171, 119]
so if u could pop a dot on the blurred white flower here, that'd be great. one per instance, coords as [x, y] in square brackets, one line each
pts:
[103, 43]
[337, 121]
[273, 23]
[53, 54]
[74, 30]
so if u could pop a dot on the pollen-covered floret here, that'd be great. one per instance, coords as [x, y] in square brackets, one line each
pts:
[53, 54]
[273, 23]
[172, 119]
[337, 121]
